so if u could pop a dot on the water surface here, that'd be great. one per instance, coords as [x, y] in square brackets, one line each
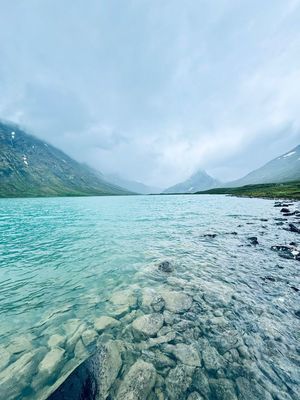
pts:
[61, 260]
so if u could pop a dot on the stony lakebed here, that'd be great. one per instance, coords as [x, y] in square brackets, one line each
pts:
[216, 316]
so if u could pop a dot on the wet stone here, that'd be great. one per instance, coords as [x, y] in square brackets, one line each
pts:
[200, 382]
[212, 359]
[138, 382]
[4, 357]
[176, 302]
[223, 389]
[147, 325]
[251, 390]
[17, 375]
[108, 366]
[105, 322]
[178, 381]
[52, 362]
[195, 396]
[166, 266]
[56, 341]
[89, 337]
[187, 354]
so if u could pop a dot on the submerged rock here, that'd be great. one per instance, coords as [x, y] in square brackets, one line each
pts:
[178, 381]
[187, 354]
[138, 382]
[253, 240]
[17, 375]
[176, 302]
[94, 378]
[52, 362]
[166, 266]
[293, 228]
[223, 389]
[56, 341]
[200, 382]
[212, 359]
[251, 390]
[148, 325]
[195, 396]
[105, 322]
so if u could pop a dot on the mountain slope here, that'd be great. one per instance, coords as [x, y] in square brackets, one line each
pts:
[198, 181]
[282, 169]
[31, 167]
[132, 186]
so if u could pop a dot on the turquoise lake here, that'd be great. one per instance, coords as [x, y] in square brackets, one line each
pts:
[62, 260]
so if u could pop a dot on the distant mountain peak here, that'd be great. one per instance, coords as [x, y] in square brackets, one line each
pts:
[199, 180]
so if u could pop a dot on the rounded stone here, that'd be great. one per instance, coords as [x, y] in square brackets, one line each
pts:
[148, 325]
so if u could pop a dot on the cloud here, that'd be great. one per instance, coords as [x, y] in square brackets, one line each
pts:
[154, 90]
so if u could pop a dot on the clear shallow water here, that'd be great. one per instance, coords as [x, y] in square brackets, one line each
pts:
[62, 259]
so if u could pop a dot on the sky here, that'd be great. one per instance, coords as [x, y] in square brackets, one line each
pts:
[153, 90]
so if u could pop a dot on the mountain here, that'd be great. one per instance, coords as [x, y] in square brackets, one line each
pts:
[132, 186]
[31, 167]
[197, 182]
[285, 168]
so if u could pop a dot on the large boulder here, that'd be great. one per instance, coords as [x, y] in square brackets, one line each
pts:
[94, 378]
[138, 382]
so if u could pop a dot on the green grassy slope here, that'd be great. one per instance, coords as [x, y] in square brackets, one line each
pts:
[288, 190]
[30, 167]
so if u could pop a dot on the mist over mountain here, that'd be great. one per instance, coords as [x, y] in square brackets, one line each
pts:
[132, 185]
[198, 181]
[284, 168]
[32, 167]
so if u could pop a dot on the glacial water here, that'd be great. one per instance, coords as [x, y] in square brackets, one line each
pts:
[64, 261]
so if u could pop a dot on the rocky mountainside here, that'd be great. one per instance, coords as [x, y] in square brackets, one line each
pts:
[284, 168]
[31, 167]
[197, 182]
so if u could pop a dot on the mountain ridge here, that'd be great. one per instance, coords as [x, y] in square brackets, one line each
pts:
[31, 167]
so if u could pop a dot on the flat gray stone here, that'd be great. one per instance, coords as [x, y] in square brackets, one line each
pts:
[138, 382]
[176, 302]
[105, 322]
[148, 325]
[52, 361]
[187, 354]
[56, 341]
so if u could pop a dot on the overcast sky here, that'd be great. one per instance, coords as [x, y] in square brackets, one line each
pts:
[155, 89]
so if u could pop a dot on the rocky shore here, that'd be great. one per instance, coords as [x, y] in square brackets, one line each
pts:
[183, 337]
